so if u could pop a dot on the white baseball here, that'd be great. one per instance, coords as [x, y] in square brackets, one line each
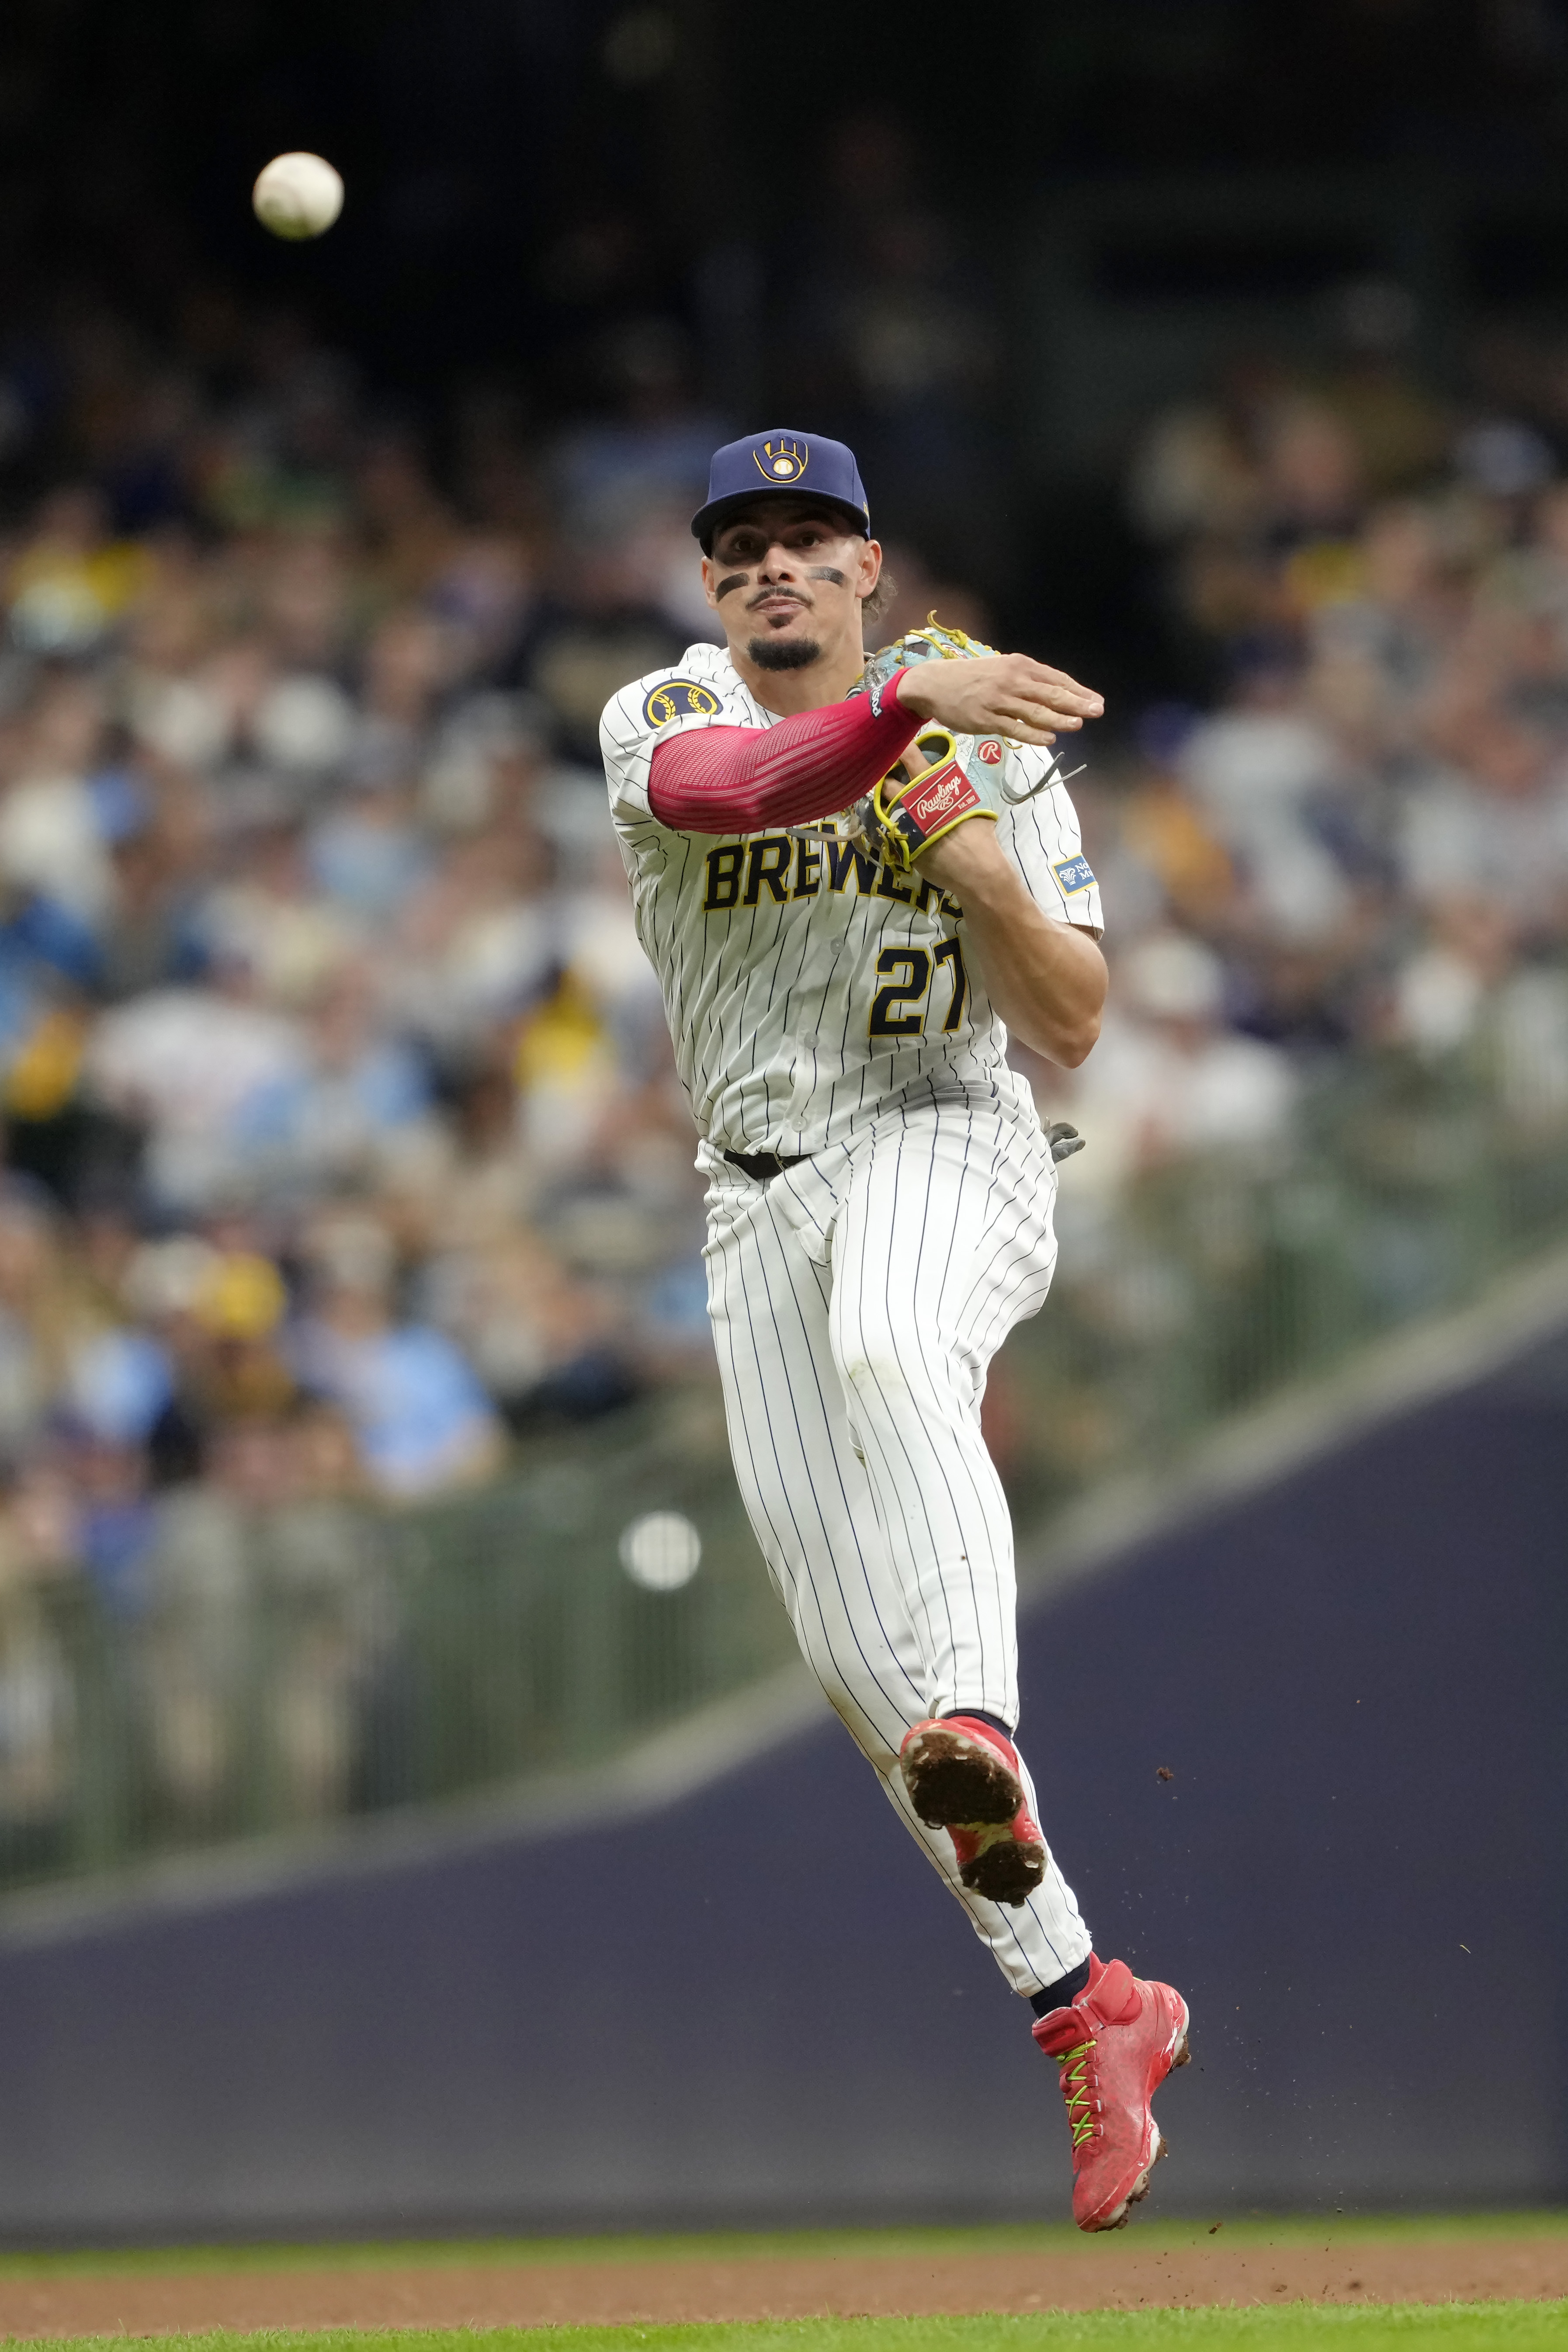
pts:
[298, 196]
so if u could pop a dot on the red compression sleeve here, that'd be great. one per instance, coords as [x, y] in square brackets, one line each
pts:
[741, 779]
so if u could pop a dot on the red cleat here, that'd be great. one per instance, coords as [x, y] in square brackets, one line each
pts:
[963, 1777]
[1115, 2045]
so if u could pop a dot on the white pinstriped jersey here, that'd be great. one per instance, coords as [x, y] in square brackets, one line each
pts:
[806, 987]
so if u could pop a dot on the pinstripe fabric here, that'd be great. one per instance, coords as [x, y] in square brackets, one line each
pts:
[820, 1004]
[769, 993]
[857, 1303]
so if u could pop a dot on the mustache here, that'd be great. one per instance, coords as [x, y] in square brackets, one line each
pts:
[765, 595]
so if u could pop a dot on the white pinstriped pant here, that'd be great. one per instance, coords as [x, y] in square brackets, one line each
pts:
[856, 1301]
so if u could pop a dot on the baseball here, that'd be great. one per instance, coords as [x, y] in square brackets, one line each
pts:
[297, 196]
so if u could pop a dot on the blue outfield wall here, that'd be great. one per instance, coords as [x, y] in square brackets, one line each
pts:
[757, 2006]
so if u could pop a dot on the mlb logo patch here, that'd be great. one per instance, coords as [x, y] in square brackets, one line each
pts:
[1074, 874]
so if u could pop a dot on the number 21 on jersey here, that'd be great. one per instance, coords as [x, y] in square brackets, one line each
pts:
[899, 1009]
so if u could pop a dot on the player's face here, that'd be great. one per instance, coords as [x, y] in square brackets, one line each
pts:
[788, 579]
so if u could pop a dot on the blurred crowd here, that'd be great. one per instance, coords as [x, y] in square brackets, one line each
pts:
[342, 1143]
[342, 1138]
[1357, 847]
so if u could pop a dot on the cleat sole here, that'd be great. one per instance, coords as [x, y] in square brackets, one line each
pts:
[1007, 1873]
[953, 1779]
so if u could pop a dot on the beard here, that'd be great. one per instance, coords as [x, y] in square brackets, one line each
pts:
[784, 653]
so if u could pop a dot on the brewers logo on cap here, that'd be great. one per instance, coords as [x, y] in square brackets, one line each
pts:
[781, 461]
[789, 460]
[679, 697]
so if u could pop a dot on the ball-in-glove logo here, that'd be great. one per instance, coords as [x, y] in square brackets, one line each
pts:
[780, 461]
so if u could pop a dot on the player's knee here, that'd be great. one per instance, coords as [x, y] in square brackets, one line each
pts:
[879, 1375]
[869, 1360]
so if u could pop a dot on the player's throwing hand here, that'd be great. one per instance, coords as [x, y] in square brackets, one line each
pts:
[999, 694]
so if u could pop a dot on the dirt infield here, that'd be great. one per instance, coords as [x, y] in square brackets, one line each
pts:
[1113, 2277]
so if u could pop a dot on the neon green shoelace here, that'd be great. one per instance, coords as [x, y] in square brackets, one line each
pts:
[1075, 2092]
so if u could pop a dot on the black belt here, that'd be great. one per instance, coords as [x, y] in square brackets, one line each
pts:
[761, 1167]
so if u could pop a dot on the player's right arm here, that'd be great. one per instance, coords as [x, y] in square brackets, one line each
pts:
[741, 780]
[748, 778]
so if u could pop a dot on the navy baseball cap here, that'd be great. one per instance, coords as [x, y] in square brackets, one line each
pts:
[802, 462]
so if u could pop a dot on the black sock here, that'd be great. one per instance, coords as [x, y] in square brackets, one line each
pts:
[978, 1715]
[1065, 1990]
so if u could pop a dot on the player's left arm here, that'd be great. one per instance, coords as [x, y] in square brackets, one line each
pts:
[1046, 978]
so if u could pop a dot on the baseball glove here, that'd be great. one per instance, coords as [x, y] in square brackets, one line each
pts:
[961, 777]
[911, 808]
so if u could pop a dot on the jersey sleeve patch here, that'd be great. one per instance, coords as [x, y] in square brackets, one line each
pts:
[1074, 874]
[679, 697]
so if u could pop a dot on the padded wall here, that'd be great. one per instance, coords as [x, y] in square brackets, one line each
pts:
[758, 2006]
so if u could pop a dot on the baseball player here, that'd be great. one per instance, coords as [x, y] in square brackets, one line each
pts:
[849, 875]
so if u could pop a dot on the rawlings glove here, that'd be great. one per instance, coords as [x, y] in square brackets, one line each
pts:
[906, 813]
[968, 775]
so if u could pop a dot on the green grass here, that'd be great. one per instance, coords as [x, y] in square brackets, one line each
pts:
[1295, 2328]
[1152, 2235]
